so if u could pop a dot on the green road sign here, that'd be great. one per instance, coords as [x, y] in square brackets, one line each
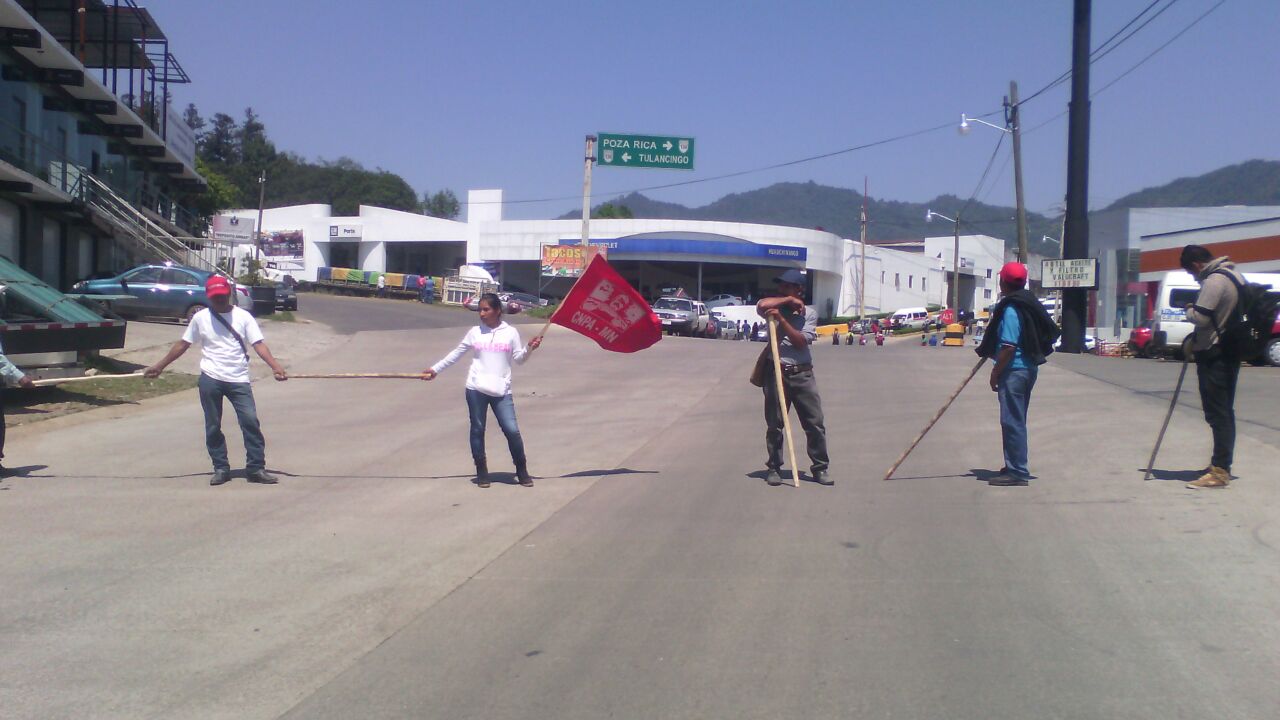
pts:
[645, 151]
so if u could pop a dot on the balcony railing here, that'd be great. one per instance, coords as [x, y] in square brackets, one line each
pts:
[33, 154]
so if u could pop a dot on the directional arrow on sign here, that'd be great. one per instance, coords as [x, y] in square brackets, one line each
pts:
[626, 157]
[668, 146]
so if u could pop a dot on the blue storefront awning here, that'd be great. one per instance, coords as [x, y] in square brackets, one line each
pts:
[676, 245]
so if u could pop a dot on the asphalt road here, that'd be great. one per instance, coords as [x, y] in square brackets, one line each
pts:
[349, 315]
[650, 572]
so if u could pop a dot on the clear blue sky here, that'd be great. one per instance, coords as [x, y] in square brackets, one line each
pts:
[500, 94]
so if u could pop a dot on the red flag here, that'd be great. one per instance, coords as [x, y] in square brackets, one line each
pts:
[602, 306]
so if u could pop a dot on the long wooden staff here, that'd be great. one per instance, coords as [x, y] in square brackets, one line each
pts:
[1172, 404]
[348, 376]
[928, 427]
[60, 381]
[782, 400]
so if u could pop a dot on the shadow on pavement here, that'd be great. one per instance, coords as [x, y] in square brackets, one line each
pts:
[21, 471]
[1174, 475]
[615, 471]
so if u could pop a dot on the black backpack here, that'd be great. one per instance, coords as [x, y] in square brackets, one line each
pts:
[1248, 330]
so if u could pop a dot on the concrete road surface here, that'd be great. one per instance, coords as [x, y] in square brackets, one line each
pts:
[650, 573]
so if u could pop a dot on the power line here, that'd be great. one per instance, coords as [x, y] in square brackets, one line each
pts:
[983, 179]
[1167, 43]
[1136, 65]
[1103, 48]
[740, 173]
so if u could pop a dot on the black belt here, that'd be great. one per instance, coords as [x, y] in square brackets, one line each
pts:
[792, 369]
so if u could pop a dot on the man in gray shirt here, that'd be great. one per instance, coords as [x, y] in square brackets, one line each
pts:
[1217, 364]
[797, 330]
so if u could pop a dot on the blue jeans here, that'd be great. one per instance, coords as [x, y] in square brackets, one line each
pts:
[1015, 395]
[504, 408]
[241, 397]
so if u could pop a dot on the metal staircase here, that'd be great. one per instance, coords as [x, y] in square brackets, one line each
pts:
[152, 241]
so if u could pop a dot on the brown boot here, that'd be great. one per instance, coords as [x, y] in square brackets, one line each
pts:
[482, 473]
[1215, 477]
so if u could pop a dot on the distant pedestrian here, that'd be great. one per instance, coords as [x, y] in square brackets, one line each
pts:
[1021, 336]
[431, 289]
[797, 329]
[225, 333]
[495, 346]
[11, 376]
[1217, 362]
[422, 288]
[382, 285]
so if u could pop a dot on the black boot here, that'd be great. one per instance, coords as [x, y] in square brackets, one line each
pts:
[482, 472]
[522, 472]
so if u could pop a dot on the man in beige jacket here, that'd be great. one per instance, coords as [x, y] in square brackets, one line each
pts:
[1217, 363]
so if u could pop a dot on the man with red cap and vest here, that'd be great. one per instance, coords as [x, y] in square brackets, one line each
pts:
[225, 333]
[1019, 338]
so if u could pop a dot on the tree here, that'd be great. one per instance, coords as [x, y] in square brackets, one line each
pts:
[221, 195]
[255, 150]
[219, 145]
[607, 211]
[443, 204]
[191, 116]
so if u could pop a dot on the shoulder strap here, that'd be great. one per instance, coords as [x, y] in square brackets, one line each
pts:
[243, 348]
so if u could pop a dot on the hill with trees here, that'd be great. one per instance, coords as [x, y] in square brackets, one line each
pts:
[1255, 182]
[232, 156]
[837, 210]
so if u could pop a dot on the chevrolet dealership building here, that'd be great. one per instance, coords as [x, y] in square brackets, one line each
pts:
[704, 258]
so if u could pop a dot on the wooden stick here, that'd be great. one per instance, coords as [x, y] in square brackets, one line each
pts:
[59, 381]
[935, 419]
[1172, 404]
[349, 376]
[782, 400]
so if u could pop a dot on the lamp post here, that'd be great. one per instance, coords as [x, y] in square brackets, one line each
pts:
[262, 196]
[929, 215]
[1013, 126]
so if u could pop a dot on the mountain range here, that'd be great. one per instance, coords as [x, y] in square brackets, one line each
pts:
[1256, 182]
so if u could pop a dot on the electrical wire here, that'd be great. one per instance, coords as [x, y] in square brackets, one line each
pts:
[1135, 66]
[740, 173]
[1103, 48]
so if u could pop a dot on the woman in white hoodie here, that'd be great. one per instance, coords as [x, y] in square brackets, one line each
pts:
[496, 345]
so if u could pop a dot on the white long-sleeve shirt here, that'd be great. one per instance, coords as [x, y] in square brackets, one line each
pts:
[495, 349]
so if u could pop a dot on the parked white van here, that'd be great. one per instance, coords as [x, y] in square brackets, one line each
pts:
[914, 318]
[1178, 290]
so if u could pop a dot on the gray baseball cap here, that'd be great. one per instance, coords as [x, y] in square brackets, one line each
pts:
[793, 276]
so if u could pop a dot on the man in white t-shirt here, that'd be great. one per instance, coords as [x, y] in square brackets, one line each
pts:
[225, 333]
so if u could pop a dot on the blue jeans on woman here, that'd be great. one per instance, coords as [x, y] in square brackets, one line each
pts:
[241, 396]
[1014, 389]
[504, 408]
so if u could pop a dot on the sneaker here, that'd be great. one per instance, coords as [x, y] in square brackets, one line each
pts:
[262, 477]
[1006, 480]
[1215, 477]
[822, 477]
[773, 478]
[219, 477]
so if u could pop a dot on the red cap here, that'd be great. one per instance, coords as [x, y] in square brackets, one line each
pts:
[217, 285]
[1014, 272]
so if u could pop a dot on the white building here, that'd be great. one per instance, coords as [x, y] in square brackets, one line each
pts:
[703, 257]
[981, 257]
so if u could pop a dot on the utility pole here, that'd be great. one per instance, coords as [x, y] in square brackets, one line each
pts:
[586, 197]
[1075, 239]
[955, 270]
[262, 197]
[1014, 120]
[862, 262]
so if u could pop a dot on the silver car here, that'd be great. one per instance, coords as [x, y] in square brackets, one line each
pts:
[682, 316]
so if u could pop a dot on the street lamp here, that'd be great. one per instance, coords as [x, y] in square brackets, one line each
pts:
[929, 215]
[1013, 126]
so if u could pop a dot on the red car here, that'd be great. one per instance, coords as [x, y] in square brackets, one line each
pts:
[1140, 339]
